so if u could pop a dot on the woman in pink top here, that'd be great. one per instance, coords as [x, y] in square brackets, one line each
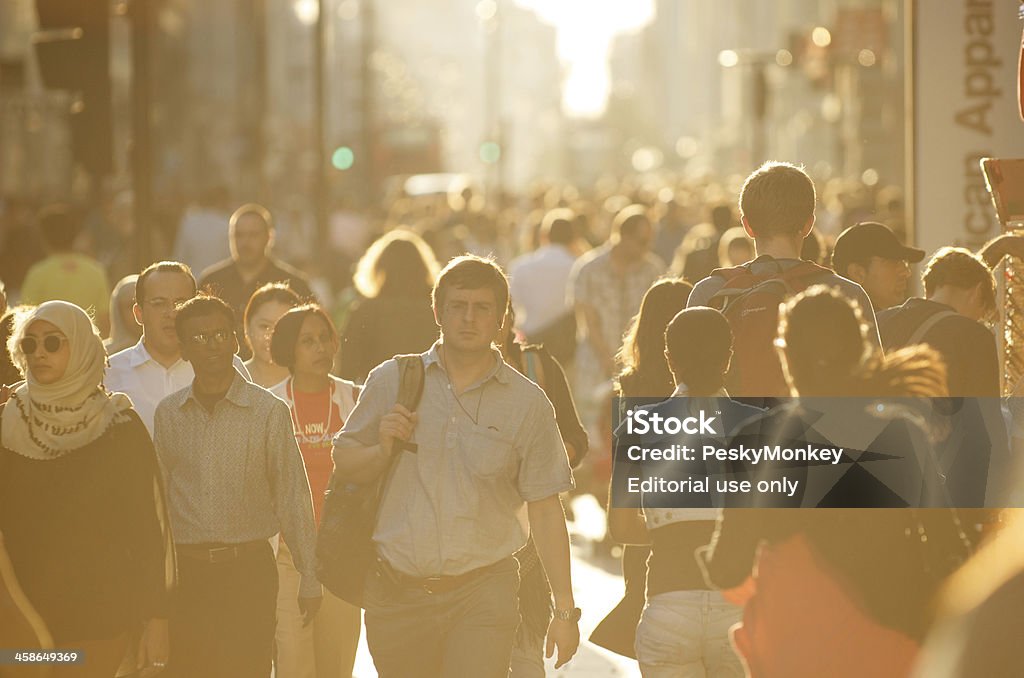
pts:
[305, 341]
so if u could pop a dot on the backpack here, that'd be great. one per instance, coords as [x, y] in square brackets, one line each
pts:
[345, 552]
[750, 302]
[919, 333]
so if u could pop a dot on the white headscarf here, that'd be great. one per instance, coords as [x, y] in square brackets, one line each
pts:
[45, 421]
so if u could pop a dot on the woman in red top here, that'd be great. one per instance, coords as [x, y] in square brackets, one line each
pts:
[305, 341]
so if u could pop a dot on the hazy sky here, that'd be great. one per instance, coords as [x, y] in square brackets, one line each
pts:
[585, 32]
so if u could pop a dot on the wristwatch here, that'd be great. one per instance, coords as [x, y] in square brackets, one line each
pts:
[572, 615]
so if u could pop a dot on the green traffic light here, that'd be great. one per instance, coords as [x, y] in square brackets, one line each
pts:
[490, 152]
[343, 158]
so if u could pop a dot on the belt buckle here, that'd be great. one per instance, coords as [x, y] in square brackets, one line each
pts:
[428, 584]
[215, 554]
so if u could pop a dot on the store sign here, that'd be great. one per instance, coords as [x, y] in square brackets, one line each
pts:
[964, 80]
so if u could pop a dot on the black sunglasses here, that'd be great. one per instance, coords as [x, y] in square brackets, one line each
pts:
[51, 343]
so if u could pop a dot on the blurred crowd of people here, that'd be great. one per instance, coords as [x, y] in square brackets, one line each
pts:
[168, 440]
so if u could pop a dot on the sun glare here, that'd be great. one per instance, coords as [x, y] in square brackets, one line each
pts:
[586, 31]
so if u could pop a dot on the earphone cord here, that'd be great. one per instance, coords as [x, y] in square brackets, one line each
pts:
[476, 419]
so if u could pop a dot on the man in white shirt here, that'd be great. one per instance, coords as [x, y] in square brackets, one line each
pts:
[539, 283]
[153, 368]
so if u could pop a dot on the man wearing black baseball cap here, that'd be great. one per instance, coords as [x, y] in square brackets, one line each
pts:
[870, 254]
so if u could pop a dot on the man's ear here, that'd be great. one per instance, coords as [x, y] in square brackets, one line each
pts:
[978, 299]
[747, 228]
[437, 315]
[858, 273]
[137, 314]
[671, 366]
[505, 319]
[807, 227]
[978, 296]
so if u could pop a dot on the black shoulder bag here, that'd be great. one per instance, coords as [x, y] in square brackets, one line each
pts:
[344, 545]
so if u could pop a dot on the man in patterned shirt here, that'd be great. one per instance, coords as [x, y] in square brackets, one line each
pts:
[234, 478]
[606, 287]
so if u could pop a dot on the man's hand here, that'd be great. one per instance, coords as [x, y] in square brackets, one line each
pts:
[547, 524]
[566, 636]
[5, 394]
[309, 607]
[154, 648]
[398, 424]
[363, 464]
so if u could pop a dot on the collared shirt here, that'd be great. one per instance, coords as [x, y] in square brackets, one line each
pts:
[135, 373]
[596, 282]
[236, 475]
[458, 502]
[539, 284]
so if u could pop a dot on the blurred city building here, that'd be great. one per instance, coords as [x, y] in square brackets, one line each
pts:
[411, 87]
[490, 88]
[723, 86]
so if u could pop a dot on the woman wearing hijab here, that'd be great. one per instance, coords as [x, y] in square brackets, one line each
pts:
[81, 504]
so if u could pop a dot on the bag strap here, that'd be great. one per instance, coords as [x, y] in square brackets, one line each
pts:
[534, 366]
[410, 391]
[741, 280]
[927, 325]
[800, 269]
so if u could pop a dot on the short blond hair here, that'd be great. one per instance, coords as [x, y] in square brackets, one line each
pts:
[778, 198]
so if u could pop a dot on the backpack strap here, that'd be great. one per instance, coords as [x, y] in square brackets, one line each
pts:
[534, 366]
[802, 269]
[931, 321]
[740, 280]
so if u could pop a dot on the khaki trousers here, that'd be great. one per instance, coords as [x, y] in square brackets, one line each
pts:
[324, 649]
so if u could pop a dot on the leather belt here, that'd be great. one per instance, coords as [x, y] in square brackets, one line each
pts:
[220, 553]
[440, 584]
